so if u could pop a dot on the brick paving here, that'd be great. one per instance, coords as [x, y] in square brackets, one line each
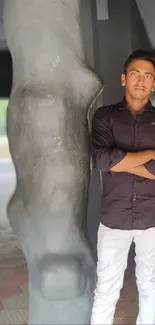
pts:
[13, 281]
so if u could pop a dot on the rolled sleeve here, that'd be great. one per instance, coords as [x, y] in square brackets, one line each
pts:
[104, 153]
[150, 166]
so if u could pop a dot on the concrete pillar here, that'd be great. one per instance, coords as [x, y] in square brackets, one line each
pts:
[147, 12]
[48, 138]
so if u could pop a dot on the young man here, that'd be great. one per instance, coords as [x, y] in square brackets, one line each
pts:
[123, 149]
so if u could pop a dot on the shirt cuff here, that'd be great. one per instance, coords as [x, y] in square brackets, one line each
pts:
[116, 156]
[150, 166]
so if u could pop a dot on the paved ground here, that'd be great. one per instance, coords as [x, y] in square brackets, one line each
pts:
[13, 280]
[13, 269]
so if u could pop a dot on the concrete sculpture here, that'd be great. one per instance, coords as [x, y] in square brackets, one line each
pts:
[48, 138]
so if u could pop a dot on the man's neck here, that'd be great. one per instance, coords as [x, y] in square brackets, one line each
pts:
[135, 105]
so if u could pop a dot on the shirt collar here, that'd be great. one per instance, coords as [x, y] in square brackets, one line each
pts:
[123, 105]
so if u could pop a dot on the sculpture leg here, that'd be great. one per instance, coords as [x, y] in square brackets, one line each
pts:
[48, 138]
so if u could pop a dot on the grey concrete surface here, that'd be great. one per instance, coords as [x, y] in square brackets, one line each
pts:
[147, 12]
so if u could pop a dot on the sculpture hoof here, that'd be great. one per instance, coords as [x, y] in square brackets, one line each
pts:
[62, 277]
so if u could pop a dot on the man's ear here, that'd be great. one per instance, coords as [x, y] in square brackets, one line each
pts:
[123, 80]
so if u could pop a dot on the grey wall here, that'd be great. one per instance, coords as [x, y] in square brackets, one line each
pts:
[140, 37]
[147, 13]
[115, 44]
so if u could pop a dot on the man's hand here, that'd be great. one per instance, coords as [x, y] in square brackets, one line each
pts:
[133, 159]
[141, 171]
[153, 154]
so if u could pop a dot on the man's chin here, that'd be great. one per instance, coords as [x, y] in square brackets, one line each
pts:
[139, 95]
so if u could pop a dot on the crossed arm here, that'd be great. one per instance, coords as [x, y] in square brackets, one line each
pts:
[106, 157]
[134, 163]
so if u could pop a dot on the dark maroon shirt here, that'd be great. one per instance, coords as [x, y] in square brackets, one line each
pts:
[128, 201]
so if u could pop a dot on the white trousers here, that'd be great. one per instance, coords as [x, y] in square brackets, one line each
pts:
[113, 248]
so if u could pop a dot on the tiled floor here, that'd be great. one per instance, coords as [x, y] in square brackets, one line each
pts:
[14, 291]
[13, 281]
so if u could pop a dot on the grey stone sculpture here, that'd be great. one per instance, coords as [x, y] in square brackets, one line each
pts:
[48, 138]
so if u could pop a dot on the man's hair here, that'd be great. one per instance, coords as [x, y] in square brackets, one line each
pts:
[139, 55]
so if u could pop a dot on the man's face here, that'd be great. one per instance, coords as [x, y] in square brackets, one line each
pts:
[139, 80]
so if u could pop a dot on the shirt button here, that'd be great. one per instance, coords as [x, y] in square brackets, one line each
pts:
[134, 197]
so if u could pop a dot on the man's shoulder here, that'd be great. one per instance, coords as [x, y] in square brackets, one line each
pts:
[153, 109]
[107, 110]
